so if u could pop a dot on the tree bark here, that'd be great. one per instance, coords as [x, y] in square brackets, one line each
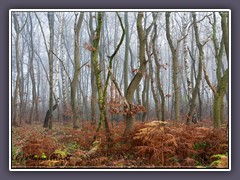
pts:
[158, 79]
[138, 77]
[31, 71]
[50, 59]
[63, 73]
[47, 117]
[93, 78]
[145, 98]
[175, 68]
[222, 85]
[18, 30]
[126, 53]
[77, 27]
[185, 57]
[155, 98]
[16, 91]
[199, 76]
[97, 73]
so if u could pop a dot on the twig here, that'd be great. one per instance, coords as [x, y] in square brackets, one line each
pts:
[119, 90]
[62, 65]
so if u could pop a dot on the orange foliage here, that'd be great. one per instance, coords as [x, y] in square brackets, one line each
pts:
[152, 144]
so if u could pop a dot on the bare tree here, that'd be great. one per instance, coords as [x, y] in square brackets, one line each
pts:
[222, 80]
[126, 52]
[130, 118]
[77, 27]
[63, 73]
[158, 67]
[102, 90]
[93, 78]
[18, 29]
[31, 71]
[200, 69]
[174, 50]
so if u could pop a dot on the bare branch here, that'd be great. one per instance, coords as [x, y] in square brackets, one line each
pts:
[44, 38]
[83, 65]
[62, 65]
[42, 64]
[207, 79]
[118, 88]
[24, 24]
[114, 53]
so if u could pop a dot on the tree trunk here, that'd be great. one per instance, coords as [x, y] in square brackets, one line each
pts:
[222, 85]
[31, 71]
[155, 98]
[217, 111]
[16, 91]
[47, 117]
[18, 30]
[199, 76]
[145, 98]
[175, 68]
[126, 53]
[137, 78]
[50, 58]
[63, 73]
[56, 65]
[158, 66]
[93, 78]
[77, 27]
[185, 57]
[97, 73]
[22, 86]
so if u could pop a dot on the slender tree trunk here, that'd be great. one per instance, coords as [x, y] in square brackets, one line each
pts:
[130, 118]
[155, 98]
[97, 72]
[56, 65]
[126, 53]
[199, 76]
[222, 85]
[16, 91]
[77, 27]
[63, 73]
[93, 78]
[175, 68]
[50, 58]
[145, 98]
[185, 57]
[31, 71]
[158, 66]
[18, 30]
[217, 110]
[22, 86]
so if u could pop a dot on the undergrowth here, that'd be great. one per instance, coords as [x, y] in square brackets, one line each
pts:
[153, 144]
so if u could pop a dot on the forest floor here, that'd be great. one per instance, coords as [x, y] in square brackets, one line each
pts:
[151, 145]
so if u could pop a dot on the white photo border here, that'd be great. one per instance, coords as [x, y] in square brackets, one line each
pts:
[114, 169]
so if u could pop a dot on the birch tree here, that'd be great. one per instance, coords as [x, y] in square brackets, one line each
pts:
[185, 57]
[63, 72]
